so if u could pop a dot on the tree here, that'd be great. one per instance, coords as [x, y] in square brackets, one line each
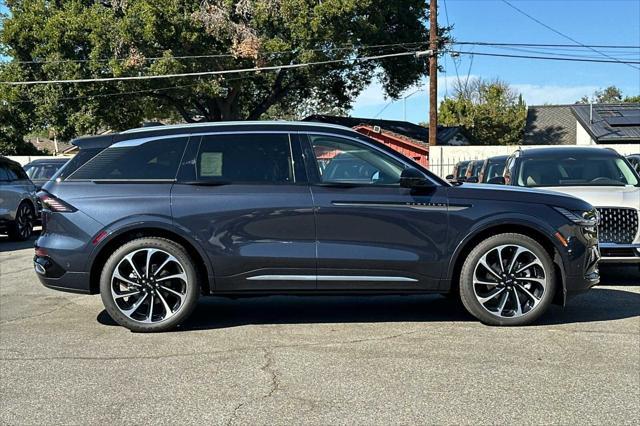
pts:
[609, 95]
[72, 39]
[490, 111]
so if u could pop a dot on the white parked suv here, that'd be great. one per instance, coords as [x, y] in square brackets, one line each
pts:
[600, 176]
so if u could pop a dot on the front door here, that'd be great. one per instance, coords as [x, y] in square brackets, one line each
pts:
[246, 199]
[372, 233]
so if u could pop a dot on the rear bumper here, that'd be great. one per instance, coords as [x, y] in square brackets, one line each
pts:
[72, 282]
[53, 276]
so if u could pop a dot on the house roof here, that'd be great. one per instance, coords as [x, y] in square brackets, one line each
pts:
[610, 122]
[404, 128]
[45, 144]
[550, 125]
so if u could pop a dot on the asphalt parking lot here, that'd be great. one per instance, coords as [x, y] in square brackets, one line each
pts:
[288, 360]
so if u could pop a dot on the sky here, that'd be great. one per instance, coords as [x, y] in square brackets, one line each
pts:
[598, 22]
[601, 22]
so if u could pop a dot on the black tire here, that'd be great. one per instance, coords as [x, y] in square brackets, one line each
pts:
[468, 294]
[191, 287]
[22, 228]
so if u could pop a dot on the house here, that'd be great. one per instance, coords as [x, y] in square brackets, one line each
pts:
[420, 134]
[607, 123]
[582, 124]
[50, 146]
[550, 125]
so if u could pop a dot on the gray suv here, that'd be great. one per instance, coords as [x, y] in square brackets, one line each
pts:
[18, 203]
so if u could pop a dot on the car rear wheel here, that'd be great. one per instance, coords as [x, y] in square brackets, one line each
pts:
[149, 284]
[507, 279]
[22, 227]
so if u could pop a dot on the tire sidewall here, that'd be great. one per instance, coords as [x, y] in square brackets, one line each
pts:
[467, 293]
[175, 250]
[14, 233]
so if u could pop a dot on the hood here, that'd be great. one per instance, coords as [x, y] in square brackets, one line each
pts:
[603, 196]
[518, 194]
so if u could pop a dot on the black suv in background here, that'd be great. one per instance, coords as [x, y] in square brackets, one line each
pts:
[153, 218]
[492, 168]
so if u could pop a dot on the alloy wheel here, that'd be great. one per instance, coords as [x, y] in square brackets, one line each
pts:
[24, 221]
[509, 281]
[149, 285]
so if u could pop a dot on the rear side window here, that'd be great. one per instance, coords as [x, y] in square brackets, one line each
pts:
[4, 176]
[246, 158]
[134, 160]
[16, 172]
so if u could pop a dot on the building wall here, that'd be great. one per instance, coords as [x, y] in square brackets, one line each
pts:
[582, 136]
[443, 158]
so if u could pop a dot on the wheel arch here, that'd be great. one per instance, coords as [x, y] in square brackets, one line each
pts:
[122, 236]
[529, 229]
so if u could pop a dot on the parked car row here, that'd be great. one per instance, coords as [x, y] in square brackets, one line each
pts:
[19, 205]
[600, 176]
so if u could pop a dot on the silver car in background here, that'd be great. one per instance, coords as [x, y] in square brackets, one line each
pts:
[19, 208]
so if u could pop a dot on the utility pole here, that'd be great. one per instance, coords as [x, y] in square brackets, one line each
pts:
[433, 72]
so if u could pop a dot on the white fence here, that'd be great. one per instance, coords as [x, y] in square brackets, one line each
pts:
[443, 158]
[24, 159]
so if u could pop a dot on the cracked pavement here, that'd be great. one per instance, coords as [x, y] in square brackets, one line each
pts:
[295, 360]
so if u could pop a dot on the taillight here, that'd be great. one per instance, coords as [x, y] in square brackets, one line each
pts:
[54, 204]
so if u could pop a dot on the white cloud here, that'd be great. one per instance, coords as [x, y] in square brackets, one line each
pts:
[534, 94]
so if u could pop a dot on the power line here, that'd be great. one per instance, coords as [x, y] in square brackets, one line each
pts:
[352, 47]
[587, 46]
[564, 35]
[549, 58]
[220, 72]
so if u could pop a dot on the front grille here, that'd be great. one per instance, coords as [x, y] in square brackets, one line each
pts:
[618, 225]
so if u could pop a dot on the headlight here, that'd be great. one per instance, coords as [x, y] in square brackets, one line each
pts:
[582, 218]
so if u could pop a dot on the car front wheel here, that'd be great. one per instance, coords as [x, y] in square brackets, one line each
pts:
[507, 279]
[149, 284]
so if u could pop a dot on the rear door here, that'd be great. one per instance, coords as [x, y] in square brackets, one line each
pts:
[246, 199]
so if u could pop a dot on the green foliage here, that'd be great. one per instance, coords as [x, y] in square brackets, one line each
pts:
[609, 95]
[92, 39]
[490, 111]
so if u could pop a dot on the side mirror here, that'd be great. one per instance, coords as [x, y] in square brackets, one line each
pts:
[450, 177]
[472, 179]
[414, 179]
[498, 180]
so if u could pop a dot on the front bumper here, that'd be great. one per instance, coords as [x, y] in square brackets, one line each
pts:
[619, 253]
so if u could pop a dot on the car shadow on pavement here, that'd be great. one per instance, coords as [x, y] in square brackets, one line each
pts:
[600, 304]
[7, 245]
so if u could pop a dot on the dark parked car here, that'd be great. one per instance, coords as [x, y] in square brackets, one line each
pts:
[492, 168]
[19, 207]
[42, 170]
[459, 171]
[473, 169]
[160, 216]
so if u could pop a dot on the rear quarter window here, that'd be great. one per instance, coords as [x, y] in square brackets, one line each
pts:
[133, 160]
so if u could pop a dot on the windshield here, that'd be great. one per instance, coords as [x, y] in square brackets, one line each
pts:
[494, 170]
[576, 171]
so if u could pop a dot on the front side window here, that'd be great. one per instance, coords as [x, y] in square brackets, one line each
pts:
[578, 171]
[133, 160]
[343, 161]
[246, 158]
